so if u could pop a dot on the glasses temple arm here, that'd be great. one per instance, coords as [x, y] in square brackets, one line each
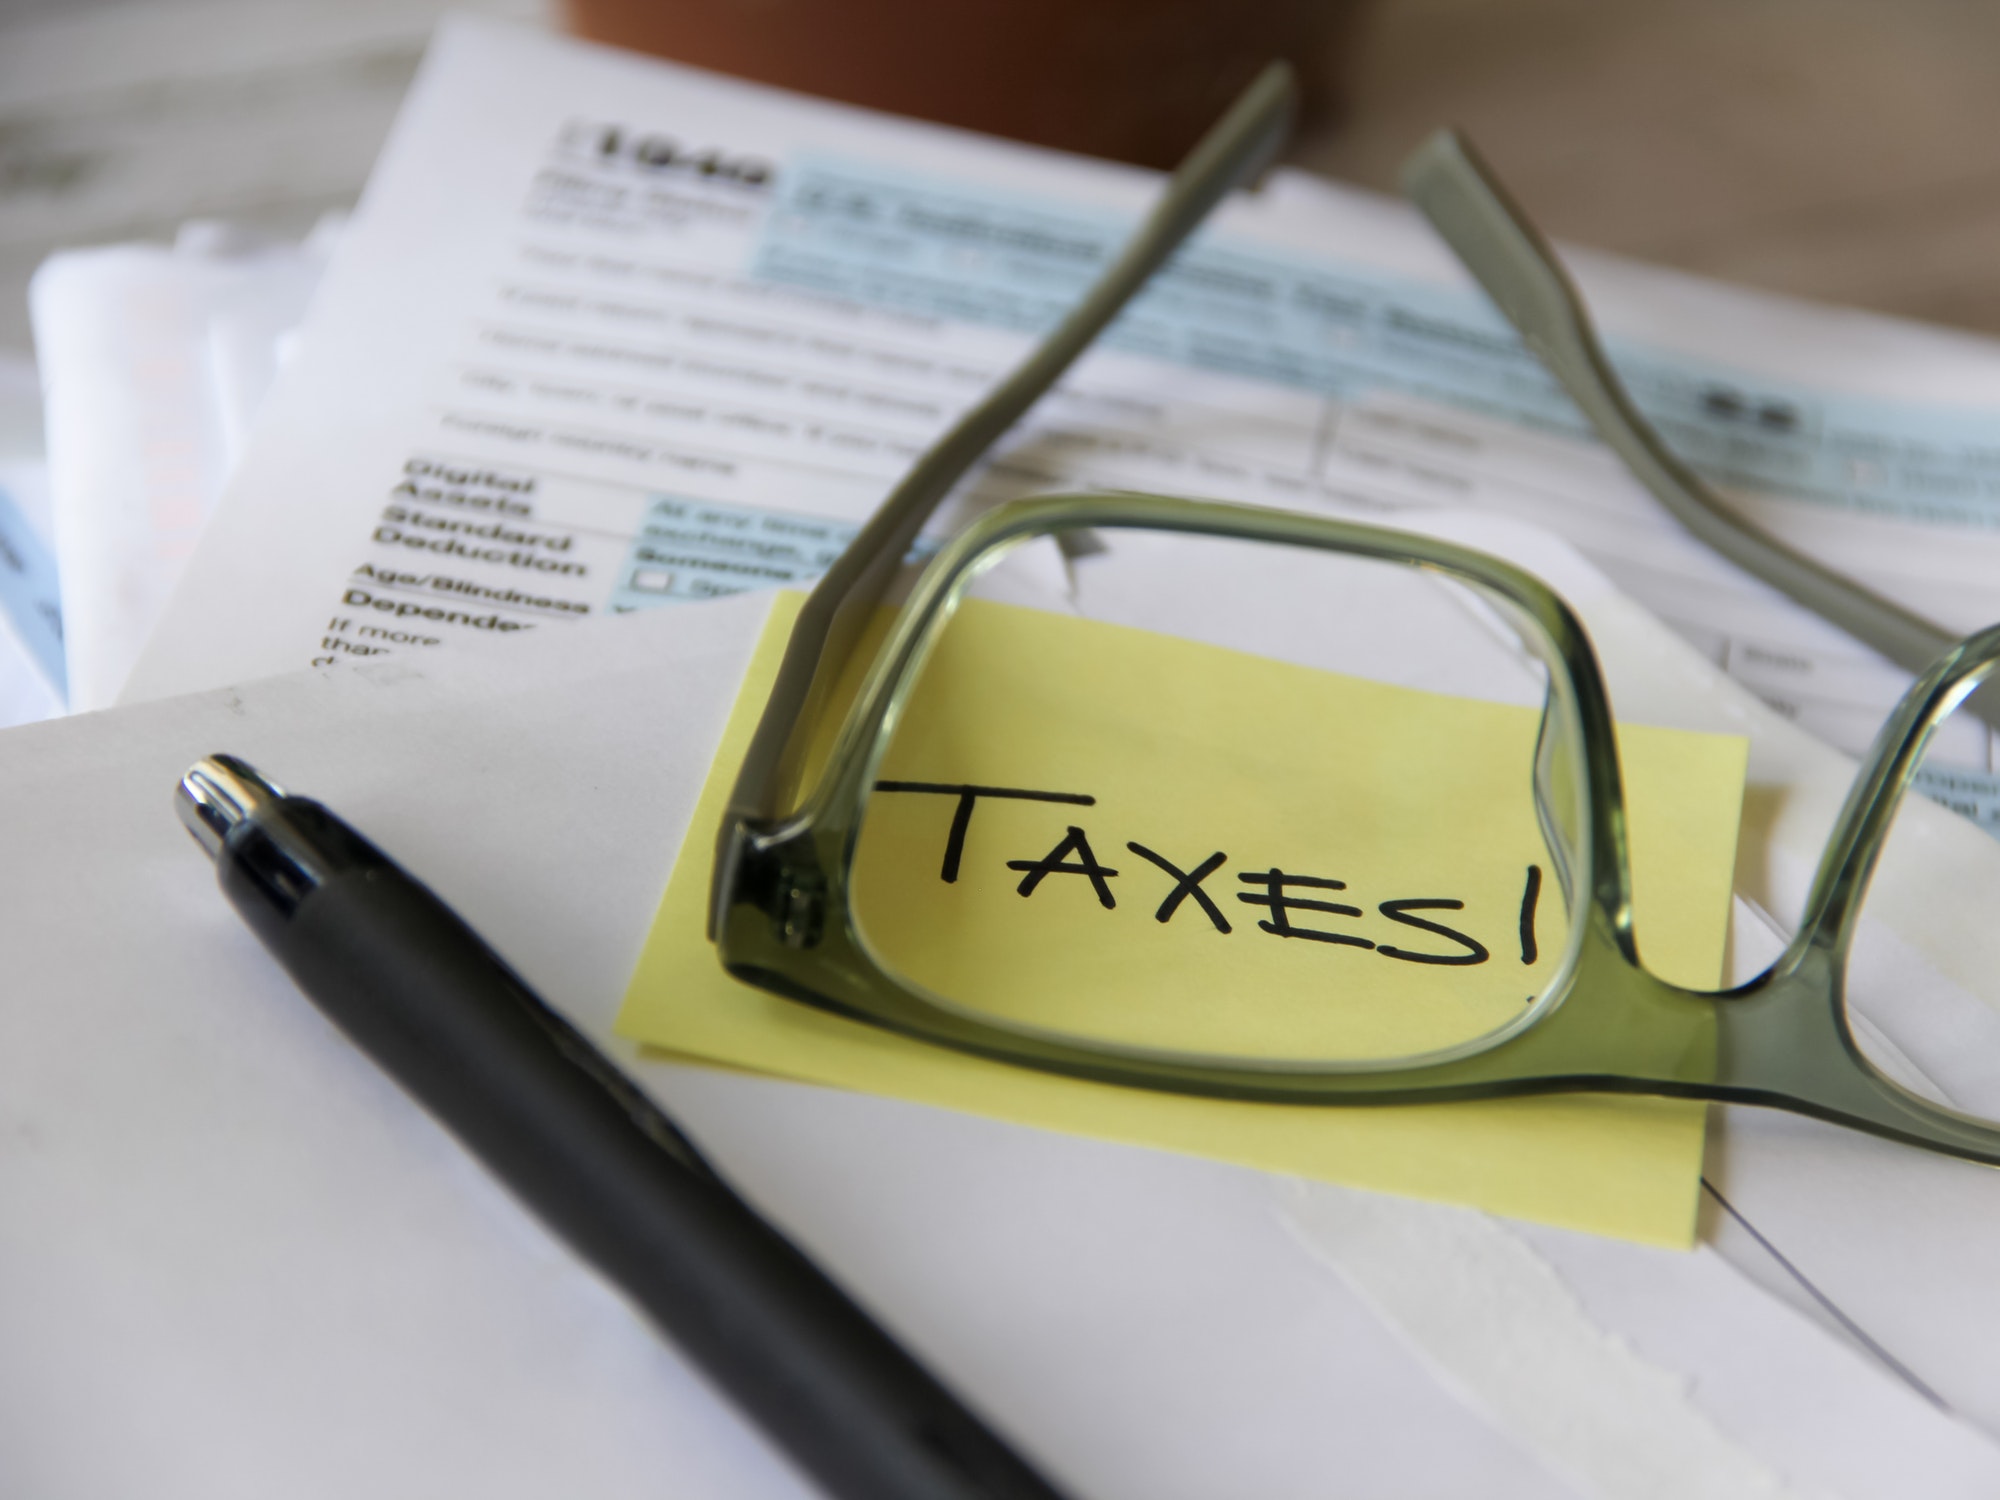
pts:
[1239, 146]
[1455, 189]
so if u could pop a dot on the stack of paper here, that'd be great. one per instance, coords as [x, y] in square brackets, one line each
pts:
[31, 642]
[606, 334]
[155, 362]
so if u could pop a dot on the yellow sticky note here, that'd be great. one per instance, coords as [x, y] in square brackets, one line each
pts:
[1057, 781]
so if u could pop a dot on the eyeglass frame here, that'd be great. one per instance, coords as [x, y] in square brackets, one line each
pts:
[782, 920]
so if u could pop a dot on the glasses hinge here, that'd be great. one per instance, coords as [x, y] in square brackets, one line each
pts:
[801, 909]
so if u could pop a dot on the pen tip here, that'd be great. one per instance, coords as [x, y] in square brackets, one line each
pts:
[217, 793]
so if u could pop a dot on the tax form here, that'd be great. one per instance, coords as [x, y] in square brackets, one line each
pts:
[607, 333]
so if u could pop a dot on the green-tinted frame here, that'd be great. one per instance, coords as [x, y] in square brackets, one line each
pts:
[785, 922]
[782, 918]
[1448, 180]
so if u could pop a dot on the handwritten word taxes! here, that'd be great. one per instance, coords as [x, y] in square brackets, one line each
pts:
[1281, 894]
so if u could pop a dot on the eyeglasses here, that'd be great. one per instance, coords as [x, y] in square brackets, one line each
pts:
[1409, 990]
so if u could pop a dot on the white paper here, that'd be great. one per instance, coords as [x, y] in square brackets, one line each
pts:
[155, 361]
[232, 1242]
[230, 1239]
[1641, 1373]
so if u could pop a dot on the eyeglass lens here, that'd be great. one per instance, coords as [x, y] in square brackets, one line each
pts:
[1232, 799]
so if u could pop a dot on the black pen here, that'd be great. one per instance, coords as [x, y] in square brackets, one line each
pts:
[583, 1147]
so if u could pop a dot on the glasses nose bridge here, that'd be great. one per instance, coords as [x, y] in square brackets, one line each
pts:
[1783, 1040]
[1783, 1030]
[1616, 1023]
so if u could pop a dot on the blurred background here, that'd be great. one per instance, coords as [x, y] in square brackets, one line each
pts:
[1833, 149]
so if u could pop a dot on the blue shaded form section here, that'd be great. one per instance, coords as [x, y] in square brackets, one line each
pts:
[696, 549]
[29, 594]
[886, 239]
[1969, 793]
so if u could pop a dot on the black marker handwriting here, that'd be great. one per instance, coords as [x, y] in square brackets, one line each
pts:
[1186, 883]
[1053, 863]
[968, 797]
